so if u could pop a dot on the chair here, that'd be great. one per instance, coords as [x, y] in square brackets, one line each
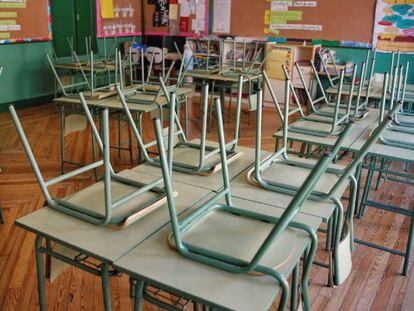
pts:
[281, 173]
[396, 134]
[185, 152]
[252, 254]
[328, 109]
[117, 201]
[325, 126]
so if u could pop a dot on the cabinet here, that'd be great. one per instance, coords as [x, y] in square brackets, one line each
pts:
[288, 54]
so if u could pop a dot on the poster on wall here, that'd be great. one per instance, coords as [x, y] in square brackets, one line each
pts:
[394, 26]
[117, 18]
[221, 16]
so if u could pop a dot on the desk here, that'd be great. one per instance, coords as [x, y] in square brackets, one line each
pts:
[113, 104]
[386, 153]
[155, 263]
[99, 243]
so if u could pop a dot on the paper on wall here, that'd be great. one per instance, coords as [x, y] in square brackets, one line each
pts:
[197, 24]
[200, 11]
[173, 11]
[184, 8]
[221, 16]
[107, 9]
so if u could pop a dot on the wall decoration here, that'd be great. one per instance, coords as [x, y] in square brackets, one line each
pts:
[394, 26]
[25, 21]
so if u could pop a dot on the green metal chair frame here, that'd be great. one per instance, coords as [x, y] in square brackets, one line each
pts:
[394, 127]
[344, 109]
[336, 122]
[343, 175]
[206, 151]
[225, 262]
[82, 212]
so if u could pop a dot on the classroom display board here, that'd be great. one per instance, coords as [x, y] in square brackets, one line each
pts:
[176, 17]
[117, 18]
[350, 20]
[24, 21]
[394, 26]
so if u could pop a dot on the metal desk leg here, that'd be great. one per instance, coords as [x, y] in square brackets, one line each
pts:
[358, 176]
[210, 121]
[294, 293]
[367, 187]
[1, 216]
[409, 245]
[230, 103]
[62, 139]
[40, 275]
[186, 114]
[141, 158]
[139, 294]
[106, 287]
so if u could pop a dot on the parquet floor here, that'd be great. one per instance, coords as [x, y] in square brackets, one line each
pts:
[375, 283]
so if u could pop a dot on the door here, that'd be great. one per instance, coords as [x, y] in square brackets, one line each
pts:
[72, 23]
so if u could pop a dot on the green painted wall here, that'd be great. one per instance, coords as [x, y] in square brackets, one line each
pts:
[26, 75]
[357, 56]
[27, 78]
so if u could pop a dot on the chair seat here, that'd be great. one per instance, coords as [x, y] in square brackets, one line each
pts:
[406, 118]
[312, 126]
[191, 156]
[242, 188]
[331, 110]
[285, 172]
[395, 135]
[402, 129]
[241, 237]
[92, 199]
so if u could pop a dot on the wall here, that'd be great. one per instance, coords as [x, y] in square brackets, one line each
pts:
[357, 56]
[26, 74]
[27, 78]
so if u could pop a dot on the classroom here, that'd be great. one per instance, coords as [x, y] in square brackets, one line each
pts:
[207, 155]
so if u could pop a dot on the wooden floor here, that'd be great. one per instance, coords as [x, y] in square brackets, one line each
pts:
[375, 283]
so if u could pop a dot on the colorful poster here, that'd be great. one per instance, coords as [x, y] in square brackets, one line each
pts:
[107, 9]
[394, 26]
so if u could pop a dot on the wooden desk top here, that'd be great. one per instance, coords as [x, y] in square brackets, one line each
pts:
[101, 242]
[154, 260]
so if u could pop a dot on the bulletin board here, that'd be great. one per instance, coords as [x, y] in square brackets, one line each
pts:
[350, 20]
[174, 17]
[24, 21]
[117, 18]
